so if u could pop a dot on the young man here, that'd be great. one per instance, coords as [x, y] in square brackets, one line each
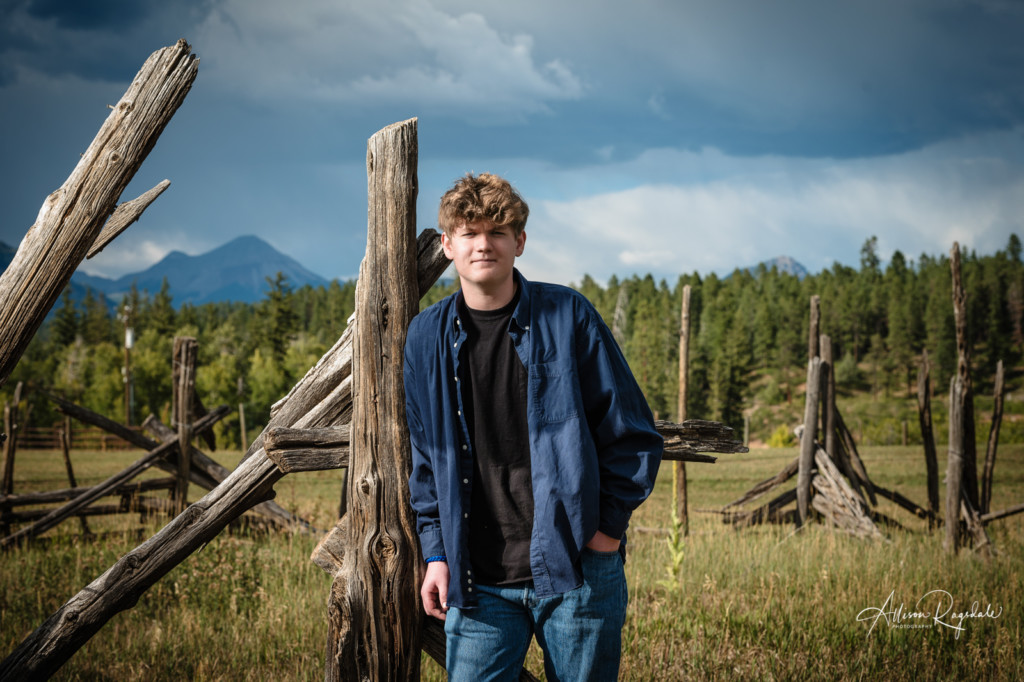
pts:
[532, 444]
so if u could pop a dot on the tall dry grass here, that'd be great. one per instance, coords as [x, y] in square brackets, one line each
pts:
[762, 603]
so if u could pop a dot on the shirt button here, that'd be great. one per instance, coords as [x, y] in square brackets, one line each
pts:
[460, 413]
[456, 378]
[465, 480]
[527, 328]
[464, 447]
[455, 345]
[469, 580]
[469, 589]
[465, 516]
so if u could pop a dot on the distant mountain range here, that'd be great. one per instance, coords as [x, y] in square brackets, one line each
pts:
[236, 271]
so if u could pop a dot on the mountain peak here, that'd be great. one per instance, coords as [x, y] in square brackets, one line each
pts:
[235, 271]
[785, 264]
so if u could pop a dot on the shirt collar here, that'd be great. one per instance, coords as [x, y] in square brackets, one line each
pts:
[520, 316]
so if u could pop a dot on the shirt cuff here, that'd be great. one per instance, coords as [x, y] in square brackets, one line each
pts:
[613, 523]
[431, 543]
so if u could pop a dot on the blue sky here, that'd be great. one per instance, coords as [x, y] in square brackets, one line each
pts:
[660, 137]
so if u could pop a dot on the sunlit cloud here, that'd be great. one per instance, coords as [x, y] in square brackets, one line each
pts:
[397, 52]
[813, 210]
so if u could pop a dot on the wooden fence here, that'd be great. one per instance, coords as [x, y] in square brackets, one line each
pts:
[82, 438]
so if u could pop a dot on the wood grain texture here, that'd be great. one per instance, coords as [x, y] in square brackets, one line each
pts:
[72, 217]
[807, 439]
[124, 215]
[374, 628]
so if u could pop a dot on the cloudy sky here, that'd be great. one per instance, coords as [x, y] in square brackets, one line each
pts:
[651, 136]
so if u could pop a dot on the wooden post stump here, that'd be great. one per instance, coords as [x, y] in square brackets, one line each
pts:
[679, 468]
[807, 447]
[186, 349]
[374, 611]
[924, 416]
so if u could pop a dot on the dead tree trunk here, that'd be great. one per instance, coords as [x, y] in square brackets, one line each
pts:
[966, 392]
[803, 481]
[71, 218]
[924, 414]
[679, 468]
[375, 622]
[993, 441]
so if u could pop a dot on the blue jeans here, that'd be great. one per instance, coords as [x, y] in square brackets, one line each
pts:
[579, 631]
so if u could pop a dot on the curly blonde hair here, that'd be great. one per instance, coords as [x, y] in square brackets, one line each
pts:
[482, 197]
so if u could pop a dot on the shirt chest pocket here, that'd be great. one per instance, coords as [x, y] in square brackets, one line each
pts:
[554, 391]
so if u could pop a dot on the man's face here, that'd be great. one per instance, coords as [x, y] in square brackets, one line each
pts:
[483, 253]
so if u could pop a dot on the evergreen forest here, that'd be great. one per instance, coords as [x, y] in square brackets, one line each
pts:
[748, 344]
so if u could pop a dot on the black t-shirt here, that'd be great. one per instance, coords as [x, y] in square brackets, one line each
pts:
[494, 398]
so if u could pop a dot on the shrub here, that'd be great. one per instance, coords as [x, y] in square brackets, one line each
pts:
[782, 437]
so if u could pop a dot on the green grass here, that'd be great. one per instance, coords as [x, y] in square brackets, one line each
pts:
[762, 603]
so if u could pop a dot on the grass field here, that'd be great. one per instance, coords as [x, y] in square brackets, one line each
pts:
[762, 603]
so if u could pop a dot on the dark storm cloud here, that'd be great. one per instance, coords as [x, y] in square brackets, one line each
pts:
[98, 40]
[76, 14]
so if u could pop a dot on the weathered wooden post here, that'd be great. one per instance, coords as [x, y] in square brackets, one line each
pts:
[993, 441]
[72, 217]
[807, 447]
[9, 439]
[924, 414]
[375, 618]
[963, 370]
[11, 443]
[183, 374]
[679, 468]
[65, 448]
[954, 465]
[828, 397]
[962, 468]
[812, 334]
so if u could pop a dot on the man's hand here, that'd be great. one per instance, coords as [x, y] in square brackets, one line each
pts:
[603, 543]
[434, 591]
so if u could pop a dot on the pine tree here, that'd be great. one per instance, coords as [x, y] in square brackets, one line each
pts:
[97, 323]
[66, 320]
[279, 316]
[160, 313]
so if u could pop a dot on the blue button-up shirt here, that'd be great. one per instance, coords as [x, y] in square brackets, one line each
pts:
[594, 451]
